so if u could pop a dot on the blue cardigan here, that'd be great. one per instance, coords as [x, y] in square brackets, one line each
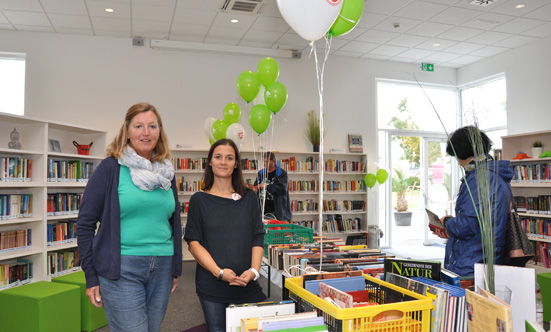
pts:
[100, 254]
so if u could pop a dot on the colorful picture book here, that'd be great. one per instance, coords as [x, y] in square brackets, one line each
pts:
[355, 144]
[486, 312]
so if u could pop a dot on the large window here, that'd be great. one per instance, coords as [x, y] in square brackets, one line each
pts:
[485, 104]
[12, 83]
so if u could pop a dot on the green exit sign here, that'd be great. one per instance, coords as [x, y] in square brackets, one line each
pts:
[427, 67]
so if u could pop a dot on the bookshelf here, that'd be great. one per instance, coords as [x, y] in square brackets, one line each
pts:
[34, 135]
[532, 182]
[343, 178]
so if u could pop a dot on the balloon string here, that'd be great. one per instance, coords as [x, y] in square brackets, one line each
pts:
[320, 69]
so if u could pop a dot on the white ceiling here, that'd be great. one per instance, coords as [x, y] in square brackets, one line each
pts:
[465, 33]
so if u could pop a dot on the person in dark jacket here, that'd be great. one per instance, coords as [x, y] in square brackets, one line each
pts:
[272, 187]
[132, 263]
[464, 246]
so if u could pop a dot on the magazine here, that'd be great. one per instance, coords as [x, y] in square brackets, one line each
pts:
[434, 222]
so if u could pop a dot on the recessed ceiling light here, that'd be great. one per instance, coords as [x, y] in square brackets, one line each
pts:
[435, 44]
[519, 6]
[234, 20]
[109, 10]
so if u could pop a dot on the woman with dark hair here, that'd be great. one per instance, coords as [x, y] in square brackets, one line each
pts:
[132, 260]
[225, 235]
[464, 247]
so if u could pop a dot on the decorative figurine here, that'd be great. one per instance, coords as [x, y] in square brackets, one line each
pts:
[14, 143]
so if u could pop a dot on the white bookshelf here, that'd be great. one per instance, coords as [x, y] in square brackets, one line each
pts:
[512, 144]
[34, 135]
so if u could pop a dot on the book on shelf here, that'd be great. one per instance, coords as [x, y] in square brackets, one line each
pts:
[355, 144]
[438, 296]
[486, 312]
[413, 268]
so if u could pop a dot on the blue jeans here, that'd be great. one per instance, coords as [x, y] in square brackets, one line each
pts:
[137, 302]
[215, 315]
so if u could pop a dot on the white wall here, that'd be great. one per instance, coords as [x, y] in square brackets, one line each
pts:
[528, 75]
[92, 81]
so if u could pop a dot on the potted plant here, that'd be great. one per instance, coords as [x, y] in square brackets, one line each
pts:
[400, 185]
[537, 149]
[313, 130]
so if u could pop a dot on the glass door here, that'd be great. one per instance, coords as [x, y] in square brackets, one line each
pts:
[437, 182]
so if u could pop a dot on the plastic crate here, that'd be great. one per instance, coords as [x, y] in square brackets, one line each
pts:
[286, 233]
[410, 310]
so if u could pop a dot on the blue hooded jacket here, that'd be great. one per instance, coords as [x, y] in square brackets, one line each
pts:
[464, 246]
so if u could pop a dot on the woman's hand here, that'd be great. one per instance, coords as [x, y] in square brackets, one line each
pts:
[244, 279]
[94, 296]
[174, 285]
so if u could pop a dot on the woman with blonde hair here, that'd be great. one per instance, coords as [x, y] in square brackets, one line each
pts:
[132, 263]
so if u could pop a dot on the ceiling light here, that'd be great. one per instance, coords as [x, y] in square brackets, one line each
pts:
[519, 6]
[435, 44]
[221, 49]
[234, 20]
[109, 10]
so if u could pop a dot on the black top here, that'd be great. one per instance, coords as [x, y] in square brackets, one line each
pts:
[228, 229]
[269, 206]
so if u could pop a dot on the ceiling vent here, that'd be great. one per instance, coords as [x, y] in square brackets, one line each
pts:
[482, 3]
[250, 7]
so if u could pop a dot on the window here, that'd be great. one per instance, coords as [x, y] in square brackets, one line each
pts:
[485, 104]
[12, 83]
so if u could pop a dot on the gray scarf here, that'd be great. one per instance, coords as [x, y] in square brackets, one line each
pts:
[146, 175]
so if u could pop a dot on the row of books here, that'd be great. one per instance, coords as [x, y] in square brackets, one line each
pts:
[15, 169]
[307, 205]
[184, 206]
[69, 170]
[540, 204]
[537, 227]
[15, 273]
[336, 223]
[14, 206]
[61, 232]
[542, 254]
[59, 204]
[62, 261]
[343, 205]
[309, 164]
[189, 163]
[338, 166]
[533, 172]
[10, 240]
[304, 186]
[189, 186]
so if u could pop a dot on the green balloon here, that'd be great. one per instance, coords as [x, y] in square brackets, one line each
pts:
[267, 71]
[382, 175]
[348, 18]
[275, 96]
[248, 85]
[219, 128]
[260, 118]
[211, 141]
[370, 180]
[232, 113]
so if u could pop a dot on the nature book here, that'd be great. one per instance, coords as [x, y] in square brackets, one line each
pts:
[413, 268]
[438, 296]
[342, 299]
[434, 222]
[484, 313]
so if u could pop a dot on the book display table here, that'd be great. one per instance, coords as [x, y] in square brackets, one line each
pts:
[92, 318]
[48, 307]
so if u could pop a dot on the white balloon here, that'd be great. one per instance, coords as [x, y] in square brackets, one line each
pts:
[236, 133]
[372, 167]
[207, 127]
[259, 99]
[311, 19]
